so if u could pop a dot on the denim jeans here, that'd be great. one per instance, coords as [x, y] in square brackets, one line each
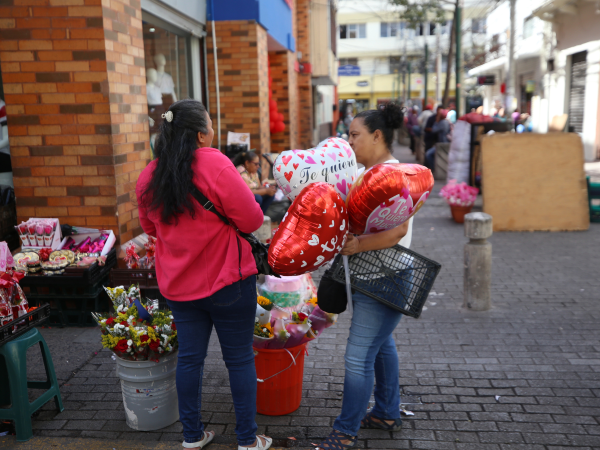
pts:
[264, 201]
[231, 310]
[430, 158]
[370, 355]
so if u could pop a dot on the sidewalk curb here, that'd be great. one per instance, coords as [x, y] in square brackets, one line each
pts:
[39, 443]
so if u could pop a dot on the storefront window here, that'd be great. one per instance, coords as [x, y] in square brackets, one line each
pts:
[167, 71]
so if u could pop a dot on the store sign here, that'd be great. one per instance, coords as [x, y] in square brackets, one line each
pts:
[362, 83]
[486, 80]
[530, 86]
[348, 71]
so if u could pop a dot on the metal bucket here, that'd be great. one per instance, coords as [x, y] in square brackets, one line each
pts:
[149, 393]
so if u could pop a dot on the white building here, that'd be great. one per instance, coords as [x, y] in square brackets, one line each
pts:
[557, 64]
[375, 48]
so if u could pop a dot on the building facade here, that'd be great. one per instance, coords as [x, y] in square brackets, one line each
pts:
[85, 84]
[557, 61]
[382, 59]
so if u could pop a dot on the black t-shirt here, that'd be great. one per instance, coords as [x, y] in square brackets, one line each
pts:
[430, 137]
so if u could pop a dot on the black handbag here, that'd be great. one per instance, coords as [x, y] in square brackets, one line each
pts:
[260, 251]
[332, 294]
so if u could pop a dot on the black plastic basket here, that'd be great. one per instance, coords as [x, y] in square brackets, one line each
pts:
[396, 276]
[24, 323]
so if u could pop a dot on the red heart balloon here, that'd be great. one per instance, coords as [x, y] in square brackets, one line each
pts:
[386, 196]
[420, 180]
[312, 232]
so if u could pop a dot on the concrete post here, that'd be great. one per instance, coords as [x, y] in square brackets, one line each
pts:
[478, 262]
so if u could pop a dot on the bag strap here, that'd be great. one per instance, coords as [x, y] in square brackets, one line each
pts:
[209, 206]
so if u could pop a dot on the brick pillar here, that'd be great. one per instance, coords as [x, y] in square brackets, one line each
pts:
[285, 93]
[305, 99]
[243, 81]
[78, 135]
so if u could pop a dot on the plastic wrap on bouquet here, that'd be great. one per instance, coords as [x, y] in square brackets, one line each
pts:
[297, 332]
[280, 333]
[279, 313]
[263, 316]
[262, 342]
[310, 335]
[283, 299]
[321, 320]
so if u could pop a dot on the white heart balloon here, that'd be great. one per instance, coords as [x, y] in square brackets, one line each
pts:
[332, 162]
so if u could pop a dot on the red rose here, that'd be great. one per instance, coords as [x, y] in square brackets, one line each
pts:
[301, 317]
[144, 338]
[173, 326]
[110, 321]
[121, 346]
[139, 320]
[154, 344]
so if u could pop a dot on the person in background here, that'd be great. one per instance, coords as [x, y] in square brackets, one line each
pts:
[205, 271]
[247, 164]
[412, 123]
[348, 121]
[431, 137]
[341, 128]
[441, 128]
[371, 352]
[500, 115]
[426, 114]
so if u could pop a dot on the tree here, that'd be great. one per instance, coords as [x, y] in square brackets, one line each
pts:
[414, 12]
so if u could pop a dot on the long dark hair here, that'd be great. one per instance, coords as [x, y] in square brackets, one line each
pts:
[244, 157]
[386, 119]
[169, 190]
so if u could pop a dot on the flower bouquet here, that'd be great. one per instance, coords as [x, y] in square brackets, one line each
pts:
[138, 331]
[276, 327]
[460, 197]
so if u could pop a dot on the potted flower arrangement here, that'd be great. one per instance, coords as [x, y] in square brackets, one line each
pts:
[460, 197]
[144, 342]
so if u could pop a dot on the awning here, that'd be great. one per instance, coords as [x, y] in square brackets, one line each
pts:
[551, 8]
[489, 66]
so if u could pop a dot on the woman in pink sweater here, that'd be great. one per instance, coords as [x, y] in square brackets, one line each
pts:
[206, 272]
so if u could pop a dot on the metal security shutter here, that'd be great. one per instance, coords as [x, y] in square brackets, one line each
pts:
[577, 91]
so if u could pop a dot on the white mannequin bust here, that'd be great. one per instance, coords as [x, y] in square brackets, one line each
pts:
[152, 90]
[164, 81]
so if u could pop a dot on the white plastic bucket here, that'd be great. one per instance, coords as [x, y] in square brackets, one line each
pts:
[149, 393]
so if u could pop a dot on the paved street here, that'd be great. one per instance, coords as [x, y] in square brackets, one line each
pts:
[524, 375]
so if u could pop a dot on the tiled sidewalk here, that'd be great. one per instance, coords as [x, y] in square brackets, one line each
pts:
[524, 375]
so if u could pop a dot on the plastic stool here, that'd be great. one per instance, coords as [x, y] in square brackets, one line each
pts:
[15, 359]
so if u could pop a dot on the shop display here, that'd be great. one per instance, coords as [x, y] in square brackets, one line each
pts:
[312, 232]
[39, 233]
[277, 327]
[332, 162]
[133, 259]
[13, 303]
[138, 331]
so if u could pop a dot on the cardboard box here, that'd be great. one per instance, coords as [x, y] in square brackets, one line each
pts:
[110, 242]
[55, 241]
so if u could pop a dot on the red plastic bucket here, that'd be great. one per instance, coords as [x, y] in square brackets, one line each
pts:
[279, 373]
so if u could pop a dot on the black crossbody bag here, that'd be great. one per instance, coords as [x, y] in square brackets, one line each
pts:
[260, 251]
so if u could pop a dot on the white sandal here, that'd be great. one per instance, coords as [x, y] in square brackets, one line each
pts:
[208, 436]
[259, 445]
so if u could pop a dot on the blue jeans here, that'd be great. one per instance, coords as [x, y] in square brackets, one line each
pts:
[430, 158]
[264, 201]
[370, 355]
[231, 310]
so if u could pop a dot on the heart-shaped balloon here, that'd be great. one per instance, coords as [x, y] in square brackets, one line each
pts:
[312, 232]
[386, 196]
[332, 162]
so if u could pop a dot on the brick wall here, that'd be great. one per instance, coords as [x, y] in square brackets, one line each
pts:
[305, 100]
[243, 81]
[76, 109]
[285, 93]
[128, 107]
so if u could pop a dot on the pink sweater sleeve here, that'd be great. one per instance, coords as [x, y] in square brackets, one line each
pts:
[238, 202]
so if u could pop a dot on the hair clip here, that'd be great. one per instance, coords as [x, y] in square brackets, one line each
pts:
[168, 116]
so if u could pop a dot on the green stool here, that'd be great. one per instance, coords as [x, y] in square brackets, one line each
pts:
[14, 368]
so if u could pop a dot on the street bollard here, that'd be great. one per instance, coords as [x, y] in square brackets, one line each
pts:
[478, 262]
